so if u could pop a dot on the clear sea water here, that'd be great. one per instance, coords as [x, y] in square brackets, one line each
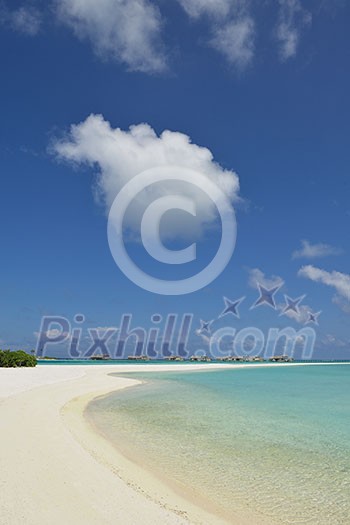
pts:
[273, 440]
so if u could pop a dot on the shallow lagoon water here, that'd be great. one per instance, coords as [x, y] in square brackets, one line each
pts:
[273, 440]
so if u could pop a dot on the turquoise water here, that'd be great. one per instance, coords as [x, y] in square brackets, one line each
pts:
[272, 440]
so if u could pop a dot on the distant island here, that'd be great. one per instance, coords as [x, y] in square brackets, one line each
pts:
[203, 358]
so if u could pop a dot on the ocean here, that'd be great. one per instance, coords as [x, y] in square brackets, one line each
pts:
[271, 440]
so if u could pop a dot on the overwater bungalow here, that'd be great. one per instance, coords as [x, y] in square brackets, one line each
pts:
[281, 359]
[200, 358]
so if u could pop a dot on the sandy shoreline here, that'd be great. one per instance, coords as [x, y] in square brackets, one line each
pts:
[55, 469]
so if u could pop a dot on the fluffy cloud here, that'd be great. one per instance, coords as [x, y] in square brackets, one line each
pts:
[120, 155]
[26, 20]
[235, 41]
[52, 333]
[124, 30]
[313, 251]
[303, 315]
[130, 31]
[232, 28]
[256, 276]
[197, 8]
[342, 304]
[292, 19]
[337, 280]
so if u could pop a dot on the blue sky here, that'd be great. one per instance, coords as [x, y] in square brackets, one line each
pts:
[263, 86]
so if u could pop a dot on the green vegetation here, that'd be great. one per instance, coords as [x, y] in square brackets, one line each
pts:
[10, 359]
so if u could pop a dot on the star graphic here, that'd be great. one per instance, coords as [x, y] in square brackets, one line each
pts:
[205, 326]
[292, 304]
[267, 296]
[231, 307]
[313, 318]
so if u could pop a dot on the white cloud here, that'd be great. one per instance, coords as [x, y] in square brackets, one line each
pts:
[337, 280]
[130, 31]
[343, 305]
[313, 251]
[235, 40]
[231, 26]
[52, 333]
[124, 30]
[26, 20]
[106, 328]
[330, 339]
[256, 276]
[197, 8]
[292, 18]
[302, 317]
[120, 155]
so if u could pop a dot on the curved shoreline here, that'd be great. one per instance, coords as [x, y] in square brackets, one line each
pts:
[55, 468]
[132, 473]
[149, 481]
[46, 476]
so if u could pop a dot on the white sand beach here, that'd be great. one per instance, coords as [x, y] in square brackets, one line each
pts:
[55, 469]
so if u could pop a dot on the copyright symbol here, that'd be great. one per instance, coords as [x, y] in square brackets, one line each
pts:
[150, 234]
